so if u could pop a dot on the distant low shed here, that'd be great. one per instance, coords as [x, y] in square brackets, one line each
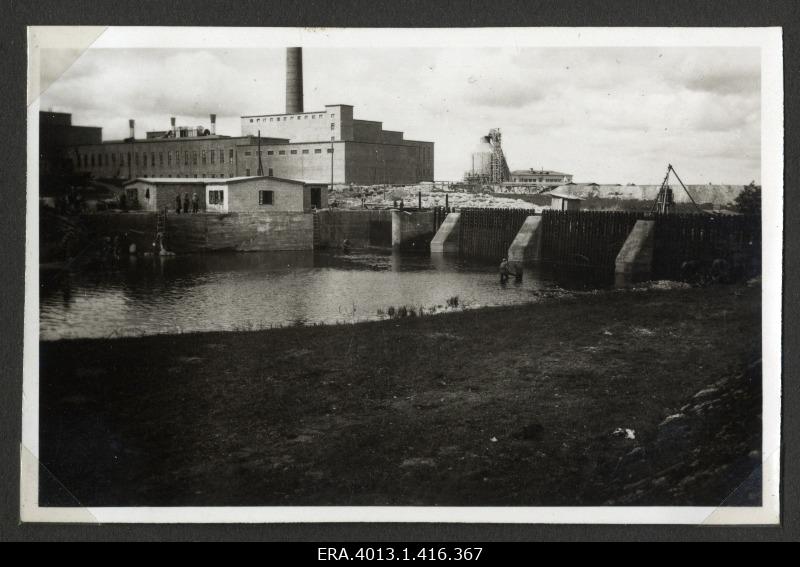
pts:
[238, 194]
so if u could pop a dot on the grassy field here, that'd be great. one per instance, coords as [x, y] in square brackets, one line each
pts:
[500, 406]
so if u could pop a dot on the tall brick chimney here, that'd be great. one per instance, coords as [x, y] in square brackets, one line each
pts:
[294, 80]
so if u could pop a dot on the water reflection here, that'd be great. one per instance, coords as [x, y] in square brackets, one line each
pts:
[202, 292]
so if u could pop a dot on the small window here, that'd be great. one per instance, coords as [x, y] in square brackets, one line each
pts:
[160, 158]
[251, 121]
[305, 151]
[282, 152]
[270, 152]
[293, 152]
[216, 197]
[318, 151]
[270, 172]
[213, 153]
[222, 156]
[194, 158]
[258, 120]
[185, 158]
[330, 150]
[248, 153]
[314, 117]
[203, 157]
[271, 119]
[169, 158]
[247, 173]
[265, 197]
[230, 156]
[153, 159]
[333, 125]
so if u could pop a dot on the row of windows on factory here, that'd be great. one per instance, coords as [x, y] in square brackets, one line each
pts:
[285, 118]
[110, 159]
[291, 152]
[205, 157]
[538, 179]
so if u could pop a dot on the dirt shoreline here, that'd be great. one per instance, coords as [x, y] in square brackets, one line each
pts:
[498, 406]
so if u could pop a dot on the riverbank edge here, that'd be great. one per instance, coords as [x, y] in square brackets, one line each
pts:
[419, 313]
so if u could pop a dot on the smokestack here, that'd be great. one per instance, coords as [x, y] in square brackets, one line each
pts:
[172, 127]
[131, 123]
[294, 80]
[213, 124]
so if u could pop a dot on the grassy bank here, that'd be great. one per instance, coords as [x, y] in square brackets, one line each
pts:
[501, 406]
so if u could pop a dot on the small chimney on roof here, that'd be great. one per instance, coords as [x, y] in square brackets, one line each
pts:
[172, 127]
[131, 124]
[213, 124]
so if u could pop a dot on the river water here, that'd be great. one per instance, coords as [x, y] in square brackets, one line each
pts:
[212, 292]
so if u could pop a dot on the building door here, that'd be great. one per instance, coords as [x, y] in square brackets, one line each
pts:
[316, 197]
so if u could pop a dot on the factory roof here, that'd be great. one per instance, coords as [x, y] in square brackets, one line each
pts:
[564, 195]
[294, 113]
[208, 180]
[194, 139]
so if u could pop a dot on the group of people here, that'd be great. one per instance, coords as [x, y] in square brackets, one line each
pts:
[195, 201]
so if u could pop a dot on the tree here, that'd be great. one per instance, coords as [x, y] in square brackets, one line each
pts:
[748, 202]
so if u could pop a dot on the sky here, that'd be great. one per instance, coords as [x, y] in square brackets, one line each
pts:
[605, 115]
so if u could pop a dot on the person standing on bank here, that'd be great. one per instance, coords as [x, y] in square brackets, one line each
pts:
[195, 203]
[186, 203]
[178, 203]
[504, 271]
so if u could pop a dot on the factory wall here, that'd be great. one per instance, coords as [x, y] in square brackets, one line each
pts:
[367, 131]
[303, 162]
[201, 157]
[373, 164]
[56, 137]
[335, 121]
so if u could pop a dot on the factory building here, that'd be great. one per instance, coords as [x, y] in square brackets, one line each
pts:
[540, 177]
[319, 147]
[56, 132]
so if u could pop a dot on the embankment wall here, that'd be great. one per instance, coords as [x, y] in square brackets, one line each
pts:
[362, 228]
[241, 232]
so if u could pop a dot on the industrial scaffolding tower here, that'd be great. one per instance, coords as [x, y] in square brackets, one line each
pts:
[499, 167]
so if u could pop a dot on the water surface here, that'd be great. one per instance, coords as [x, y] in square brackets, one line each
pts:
[210, 292]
